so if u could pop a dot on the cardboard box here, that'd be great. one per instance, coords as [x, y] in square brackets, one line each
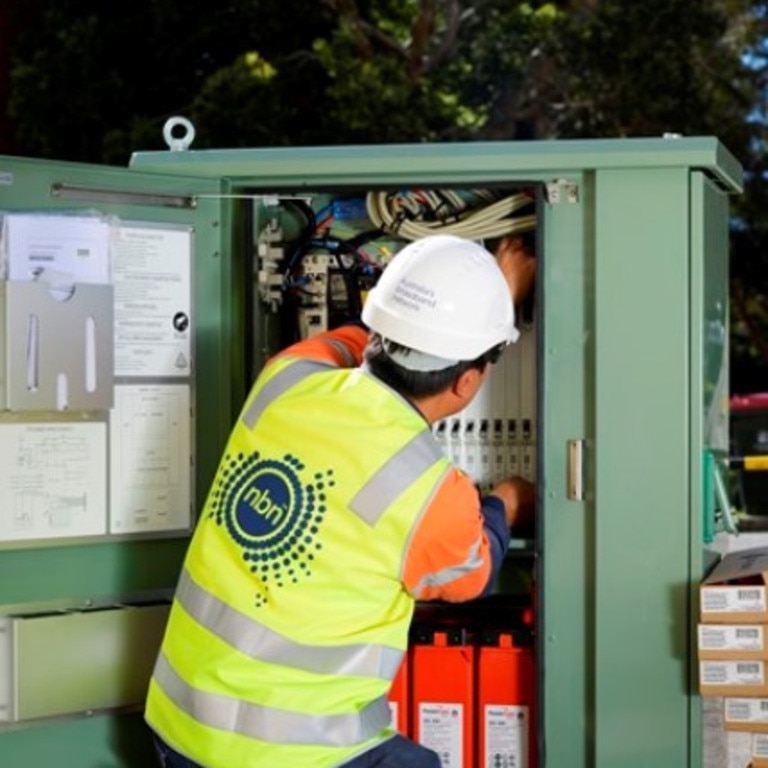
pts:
[735, 591]
[733, 678]
[736, 642]
[745, 714]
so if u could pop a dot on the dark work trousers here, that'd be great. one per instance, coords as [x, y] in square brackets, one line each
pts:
[397, 752]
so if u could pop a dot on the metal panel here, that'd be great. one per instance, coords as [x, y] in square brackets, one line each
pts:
[642, 463]
[54, 320]
[83, 575]
[441, 163]
[76, 662]
[121, 741]
[709, 288]
[565, 579]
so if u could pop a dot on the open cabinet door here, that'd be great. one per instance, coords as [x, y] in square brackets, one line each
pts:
[97, 498]
[709, 420]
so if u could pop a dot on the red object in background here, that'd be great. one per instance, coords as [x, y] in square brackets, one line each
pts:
[399, 695]
[506, 698]
[746, 402]
[749, 437]
[443, 688]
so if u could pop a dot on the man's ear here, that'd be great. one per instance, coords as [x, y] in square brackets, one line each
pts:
[466, 384]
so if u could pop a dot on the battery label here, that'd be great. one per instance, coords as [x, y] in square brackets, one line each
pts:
[732, 599]
[732, 672]
[746, 710]
[441, 727]
[506, 736]
[731, 638]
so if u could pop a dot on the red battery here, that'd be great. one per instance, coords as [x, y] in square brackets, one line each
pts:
[506, 701]
[399, 698]
[443, 710]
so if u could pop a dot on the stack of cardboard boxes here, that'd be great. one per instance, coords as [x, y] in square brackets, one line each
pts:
[733, 644]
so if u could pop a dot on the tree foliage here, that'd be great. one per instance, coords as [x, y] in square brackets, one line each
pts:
[86, 85]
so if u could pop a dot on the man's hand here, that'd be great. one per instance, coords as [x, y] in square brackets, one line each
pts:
[518, 266]
[519, 498]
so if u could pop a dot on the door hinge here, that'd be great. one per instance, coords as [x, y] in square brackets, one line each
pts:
[562, 190]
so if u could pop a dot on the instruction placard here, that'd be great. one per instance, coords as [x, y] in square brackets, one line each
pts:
[151, 270]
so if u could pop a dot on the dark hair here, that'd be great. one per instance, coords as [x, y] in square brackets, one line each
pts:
[416, 384]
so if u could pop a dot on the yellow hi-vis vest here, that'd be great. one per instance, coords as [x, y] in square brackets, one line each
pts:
[290, 619]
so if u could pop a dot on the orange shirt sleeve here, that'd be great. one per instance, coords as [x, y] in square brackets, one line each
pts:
[342, 346]
[449, 557]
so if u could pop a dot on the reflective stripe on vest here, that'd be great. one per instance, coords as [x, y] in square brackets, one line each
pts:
[259, 642]
[280, 383]
[390, 480]
[266, 723]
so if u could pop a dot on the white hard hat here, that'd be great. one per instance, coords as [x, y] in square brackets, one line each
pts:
[443, 296]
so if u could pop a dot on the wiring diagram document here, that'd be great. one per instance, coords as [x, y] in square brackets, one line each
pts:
[150, 474]
[54, 480]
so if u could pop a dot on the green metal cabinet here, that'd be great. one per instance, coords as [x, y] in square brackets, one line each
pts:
[632, 389]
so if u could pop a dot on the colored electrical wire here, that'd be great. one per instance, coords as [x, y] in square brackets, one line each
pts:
[412, 215]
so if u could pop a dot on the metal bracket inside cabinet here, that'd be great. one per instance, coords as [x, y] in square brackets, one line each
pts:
[717, 508]
[562, 190]
[82, 194]
[724, 500]
[64, 663]
[575, 479]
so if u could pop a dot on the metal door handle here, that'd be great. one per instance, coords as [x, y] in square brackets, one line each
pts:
[575, 480]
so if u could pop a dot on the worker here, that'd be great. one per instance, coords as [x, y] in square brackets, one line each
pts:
[332, 512]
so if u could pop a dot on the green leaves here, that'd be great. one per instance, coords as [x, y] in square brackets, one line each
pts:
[85, 85]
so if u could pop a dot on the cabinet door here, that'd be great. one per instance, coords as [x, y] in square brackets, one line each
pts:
[709, 397]
[618, 572]
[82, 574]
[565, 566]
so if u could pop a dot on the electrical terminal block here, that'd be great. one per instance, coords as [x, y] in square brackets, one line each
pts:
[315, 276]
[270, 257]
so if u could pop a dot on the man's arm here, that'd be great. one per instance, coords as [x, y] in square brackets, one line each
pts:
[459, 544]
[508, 508]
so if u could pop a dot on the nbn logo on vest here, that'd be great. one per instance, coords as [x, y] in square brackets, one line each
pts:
[274, 510]
[268, 500]
[260, 501]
